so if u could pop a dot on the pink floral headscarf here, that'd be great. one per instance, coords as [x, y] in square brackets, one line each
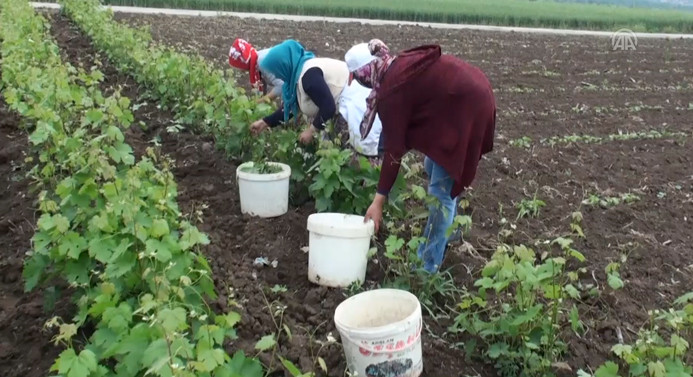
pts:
[370, 75]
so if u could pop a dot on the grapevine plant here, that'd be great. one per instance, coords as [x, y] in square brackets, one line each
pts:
[110, 226]
[209, 100]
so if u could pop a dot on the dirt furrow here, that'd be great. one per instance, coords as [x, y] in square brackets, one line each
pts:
[25, 345]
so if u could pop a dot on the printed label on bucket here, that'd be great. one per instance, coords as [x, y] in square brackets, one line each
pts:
[387, 346]
[395, 368]
[389, 353]
[391, 344]
[406, 362]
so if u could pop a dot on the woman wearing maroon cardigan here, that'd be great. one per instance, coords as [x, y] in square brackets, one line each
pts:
[436, 104]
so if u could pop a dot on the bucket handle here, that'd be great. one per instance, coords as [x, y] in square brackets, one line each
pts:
[370, 349]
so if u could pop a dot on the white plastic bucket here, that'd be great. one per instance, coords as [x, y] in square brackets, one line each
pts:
[264, 195]
[338, 248]
[381, 333]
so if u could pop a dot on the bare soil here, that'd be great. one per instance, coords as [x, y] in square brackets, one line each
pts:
[654, 232]
[25, 346]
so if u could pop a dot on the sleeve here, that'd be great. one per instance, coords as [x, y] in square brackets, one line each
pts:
[395, 116]
[277, 85]
[277, 90]
[381, 144]
[274, 119]
[316, 88]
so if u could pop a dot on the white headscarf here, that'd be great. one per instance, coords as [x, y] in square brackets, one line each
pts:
[358, 56]
[352, 103]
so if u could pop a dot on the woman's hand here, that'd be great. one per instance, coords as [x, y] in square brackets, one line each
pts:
[258, 126]
[307, 135]
[375, 211]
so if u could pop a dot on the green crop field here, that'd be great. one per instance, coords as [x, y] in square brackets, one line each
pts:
[487, 12]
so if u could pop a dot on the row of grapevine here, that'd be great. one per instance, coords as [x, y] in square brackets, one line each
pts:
[201, 96]
[208, 100]
[110, 227]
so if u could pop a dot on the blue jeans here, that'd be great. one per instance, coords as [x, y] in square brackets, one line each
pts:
[440, 218]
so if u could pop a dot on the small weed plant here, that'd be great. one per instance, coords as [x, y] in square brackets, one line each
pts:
[621, 136]
[610, 201]
[523, 142]
[529, 207]
[613, 274]
[576, 224]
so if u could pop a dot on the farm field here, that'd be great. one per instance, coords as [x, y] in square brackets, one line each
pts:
[579, 125]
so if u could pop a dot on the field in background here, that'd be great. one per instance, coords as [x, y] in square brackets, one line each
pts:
[485, 12]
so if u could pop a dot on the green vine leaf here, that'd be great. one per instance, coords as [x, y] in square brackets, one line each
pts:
[159, 228]
[173, 319]
[71, 365]
[266, 343]
[609, 369]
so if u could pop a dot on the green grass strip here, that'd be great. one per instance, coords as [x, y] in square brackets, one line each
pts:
[523, 13]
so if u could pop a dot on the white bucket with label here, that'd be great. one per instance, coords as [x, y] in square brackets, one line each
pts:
[338, 248]
[381, 333]
[263, 195]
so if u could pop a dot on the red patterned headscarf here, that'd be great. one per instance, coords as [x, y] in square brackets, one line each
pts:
[370, 75]
[243, 55]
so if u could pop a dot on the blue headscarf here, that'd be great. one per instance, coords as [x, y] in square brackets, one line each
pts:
[285, 61]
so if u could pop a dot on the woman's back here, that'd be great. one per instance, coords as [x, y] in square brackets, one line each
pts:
[336, 77]
[441, 106]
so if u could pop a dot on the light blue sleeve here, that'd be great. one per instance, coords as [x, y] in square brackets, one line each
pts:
[277, 85]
